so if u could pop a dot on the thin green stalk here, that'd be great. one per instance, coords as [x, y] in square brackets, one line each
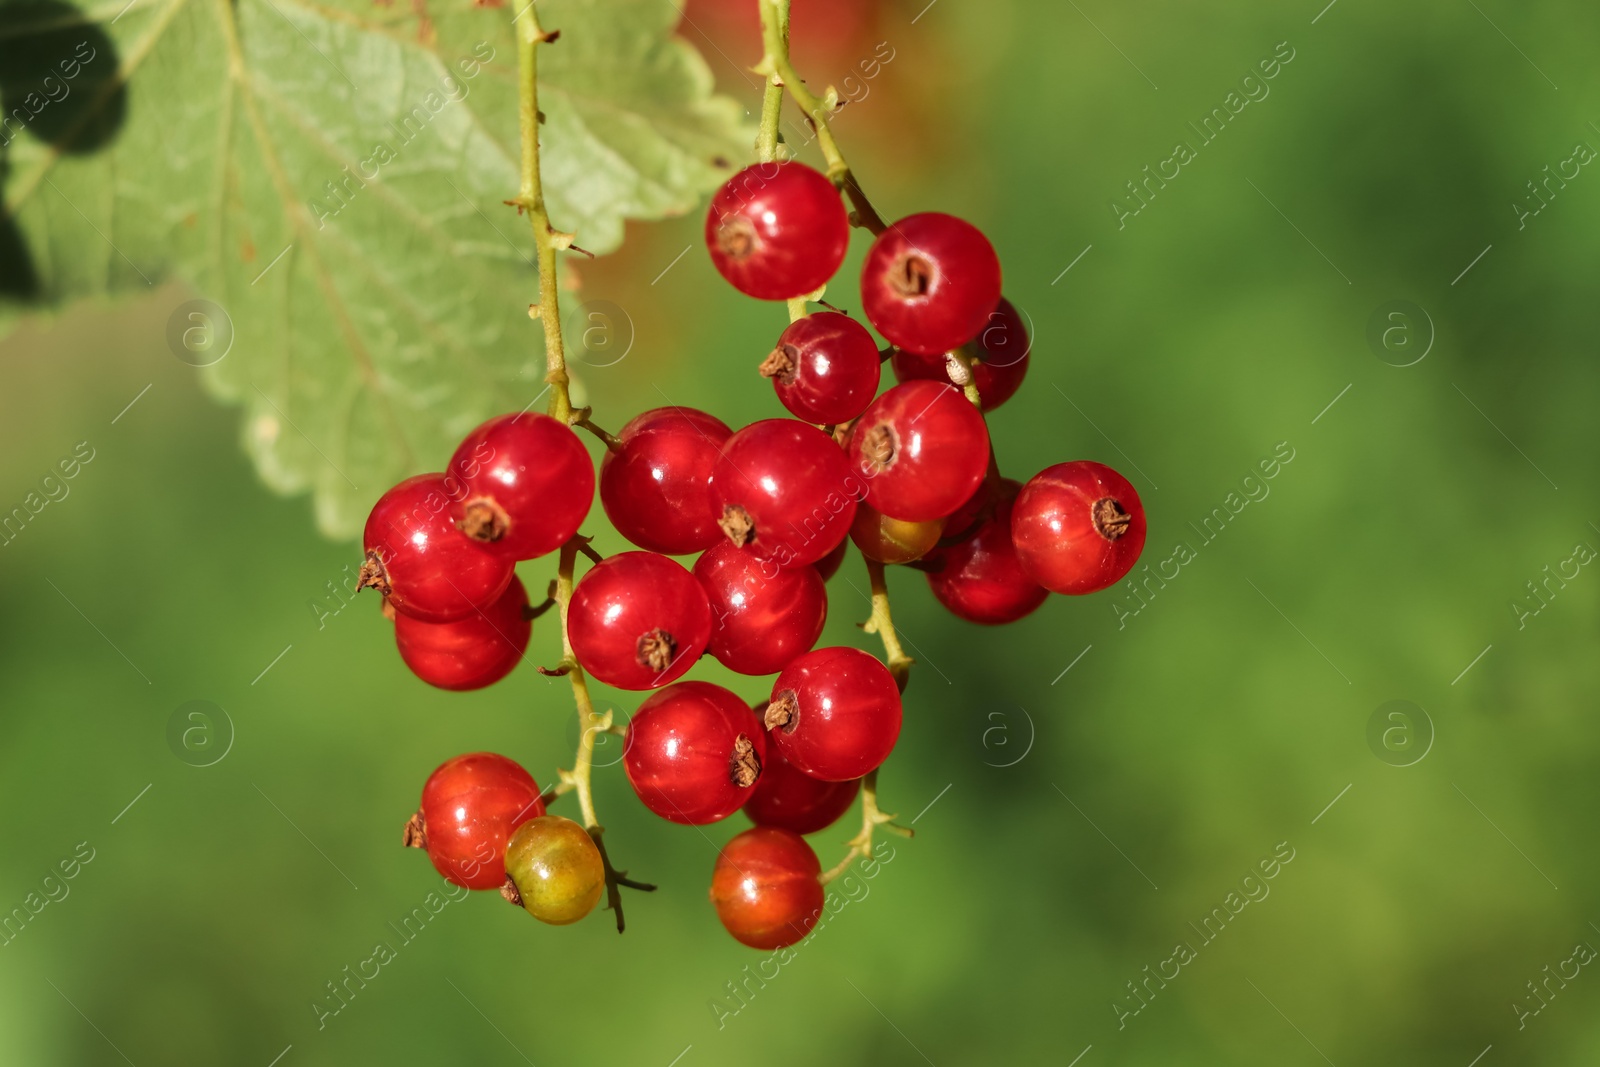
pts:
[882, 624]
[546, 239]
[872, 816]
[771, 105]
[589, 721]
[777, 69]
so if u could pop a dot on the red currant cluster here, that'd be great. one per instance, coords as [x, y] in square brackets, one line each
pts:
[908, 476]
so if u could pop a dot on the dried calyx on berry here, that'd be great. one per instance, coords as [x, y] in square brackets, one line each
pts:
[780, 364]
[483, 520]
[735, 522]
[783, 712]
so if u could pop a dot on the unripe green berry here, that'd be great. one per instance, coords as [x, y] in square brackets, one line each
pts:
[556, 868]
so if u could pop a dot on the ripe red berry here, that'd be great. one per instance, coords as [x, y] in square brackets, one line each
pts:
[556, 868]
[980, 578]
[655, 485]
[835, 713]
[762, 616]
[1078, 527]
[468, 653]
[828, 565]
[693, 752]
[929, 283]
[784, 491]
[825, 368]
[766, 887]
[470, 806]
[777, 230]
[999, 358]
[420, 562]
[922, 448]
[638, 620]
[889, 540]
[529, 484]
[963, 522]
[792, 800]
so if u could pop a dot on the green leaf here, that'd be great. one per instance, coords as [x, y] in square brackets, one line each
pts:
[332, 176]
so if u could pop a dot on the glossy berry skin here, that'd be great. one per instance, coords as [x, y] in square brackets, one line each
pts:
[529, 484]
[793, 801]
[655, 485]
[922, 449]
[638, 620]
[828, 565]
[762, 616]
[468, 653]
[1078, 527]
[766, 887]
[930, 282]
[835, 713]
[980, 579]
[964, 521]
[825, 368]
[470, 806]
[998, 355]
[777, 230]
[694, 752]
[556, 868]
[889, 540]
[420, 562]
[784, 491]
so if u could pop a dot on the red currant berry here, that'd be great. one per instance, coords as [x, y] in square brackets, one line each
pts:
[828, 565]
[980, 579]
[693, 752]
[999, 358]
[638, 620]
[777, 230]
[1078, 527]
[420, 562]
[923, 449]
[889, 540]
[825, 368]
[556, 869]
[762, 616]
[767, 888]
[785, 491]
[529, 484]
[653, 485]
[835, 713]
[929, 283]
[964, 521]
[470, 806]
[468, 653]
[791, 800]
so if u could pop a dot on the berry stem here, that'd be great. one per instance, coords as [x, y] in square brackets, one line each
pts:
[775, 65]
[580, 417]
[589, 720]
[530, 198]
[882, 624]
[559, 789]
[767, 136]
[615, 879]
[872, 816]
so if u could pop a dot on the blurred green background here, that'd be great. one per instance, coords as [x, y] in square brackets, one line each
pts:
[1073, 823]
